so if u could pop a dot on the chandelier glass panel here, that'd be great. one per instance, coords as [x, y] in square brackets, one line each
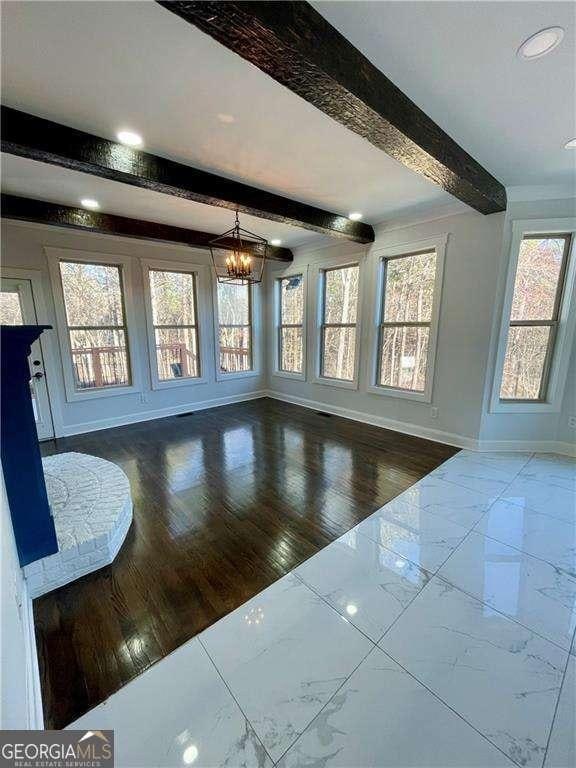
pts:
[239, 256]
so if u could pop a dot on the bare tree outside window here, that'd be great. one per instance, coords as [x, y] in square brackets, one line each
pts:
[173, 299]
[406, 315]
[94, 304]
[338, 327]
[290, 324]
[235, 327]
[536, 302]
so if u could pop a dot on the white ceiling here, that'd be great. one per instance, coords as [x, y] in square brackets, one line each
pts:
[101, 66]
[59, 185]
[457, 61]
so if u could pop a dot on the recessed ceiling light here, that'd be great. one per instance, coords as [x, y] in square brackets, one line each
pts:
[130, 138]
[276, 242]
[355, 216]
[541, 43]
[89, 202]
[190, 754]
[224, 118]
[570, 144]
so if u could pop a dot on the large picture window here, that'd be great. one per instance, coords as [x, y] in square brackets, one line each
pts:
[96, 324]
[534, 318]
[291, 324]
[235, 328]
[173, 299]
[339, 311]
[407, 292]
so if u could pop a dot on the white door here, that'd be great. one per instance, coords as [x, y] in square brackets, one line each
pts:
[17, 308]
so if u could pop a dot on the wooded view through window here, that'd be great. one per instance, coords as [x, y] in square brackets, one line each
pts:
[406, 314]
[338, 328]
[94, 305]
[173, 299]
[534, 317]
[290, 327]
[235, 331]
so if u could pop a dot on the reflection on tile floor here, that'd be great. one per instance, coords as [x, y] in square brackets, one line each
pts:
[434, 634]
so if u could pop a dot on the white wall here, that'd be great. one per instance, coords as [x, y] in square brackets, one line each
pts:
[470, 278]
[23, 247]
[528, 427]
[20, 706]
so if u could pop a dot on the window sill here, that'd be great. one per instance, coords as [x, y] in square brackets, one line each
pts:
[526, 407]
[403, 394]
[188, 381]
[221, 376]
[340, 383]
[76, 396]
[288, 375]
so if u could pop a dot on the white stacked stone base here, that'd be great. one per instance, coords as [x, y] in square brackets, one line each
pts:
[92, 508]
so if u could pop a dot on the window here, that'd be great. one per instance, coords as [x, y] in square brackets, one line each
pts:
[339, 309]
[96, 324]
[534, 316]
[291, 324]
[235, 328]
[173, 299]
[405, 320]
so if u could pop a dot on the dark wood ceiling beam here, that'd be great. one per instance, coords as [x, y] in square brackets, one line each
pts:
[39, 139]
[295, 45]
[53, 214]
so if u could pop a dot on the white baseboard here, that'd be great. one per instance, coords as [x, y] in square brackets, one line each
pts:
[33, 689]
[436, 435]
[528, 446]
[159, 413]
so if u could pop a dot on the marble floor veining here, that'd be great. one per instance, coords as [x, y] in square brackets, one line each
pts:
[437, 633]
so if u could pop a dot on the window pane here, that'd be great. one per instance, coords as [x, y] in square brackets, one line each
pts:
[341, 295]
[404, 358]
[409, 288]
[10, 310]
[539, 264]
[233, 304]
[338, 353]
[235, 349]
[99, 358]
[524, 362]
[291, 349]
[176, 353]
[292, 300]
[92, 294]
[172, 295]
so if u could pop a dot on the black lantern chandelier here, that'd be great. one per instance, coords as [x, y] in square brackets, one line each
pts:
[239, 256]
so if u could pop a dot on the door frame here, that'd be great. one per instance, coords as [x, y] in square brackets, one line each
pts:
[48, 340]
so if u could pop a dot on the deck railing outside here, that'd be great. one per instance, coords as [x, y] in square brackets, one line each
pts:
[107, 366]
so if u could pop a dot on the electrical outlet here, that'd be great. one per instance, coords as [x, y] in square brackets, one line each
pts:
[434, 412]
[572, 422]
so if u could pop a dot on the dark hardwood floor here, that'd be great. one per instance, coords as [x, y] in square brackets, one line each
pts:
[226, 501]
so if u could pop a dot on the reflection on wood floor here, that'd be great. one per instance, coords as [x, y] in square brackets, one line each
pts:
[226, 501]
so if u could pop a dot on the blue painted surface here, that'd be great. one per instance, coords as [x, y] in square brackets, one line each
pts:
[21, 460]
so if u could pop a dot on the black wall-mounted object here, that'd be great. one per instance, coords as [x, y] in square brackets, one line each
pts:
[295, 45]
[41, 212]
[21, 460]
[38, 139]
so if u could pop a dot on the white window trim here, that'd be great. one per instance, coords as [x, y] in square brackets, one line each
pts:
[376, 259]
[566, 324]
[256, 335]
[201, 274]
[316, 271]
[277, 277]
[55, 255]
